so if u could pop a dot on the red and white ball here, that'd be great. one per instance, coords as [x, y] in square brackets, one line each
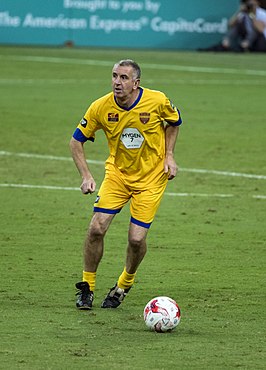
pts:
[162, 314]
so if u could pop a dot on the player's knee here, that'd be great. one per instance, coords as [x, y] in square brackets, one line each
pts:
[96, 230]
[137, 242]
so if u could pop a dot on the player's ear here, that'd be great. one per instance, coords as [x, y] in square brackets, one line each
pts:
[136, 83]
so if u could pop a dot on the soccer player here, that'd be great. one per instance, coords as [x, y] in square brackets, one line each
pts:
[141, 127]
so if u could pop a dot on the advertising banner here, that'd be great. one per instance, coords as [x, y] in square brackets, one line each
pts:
[164, 24]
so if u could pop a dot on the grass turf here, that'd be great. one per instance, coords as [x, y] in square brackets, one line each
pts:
[205, 251]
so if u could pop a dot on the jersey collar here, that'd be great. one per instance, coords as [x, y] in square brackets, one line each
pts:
[135, 102]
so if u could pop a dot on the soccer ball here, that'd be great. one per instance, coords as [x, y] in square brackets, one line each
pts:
[161, 314]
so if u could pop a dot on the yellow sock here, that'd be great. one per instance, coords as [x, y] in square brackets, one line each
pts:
[90, 277]
[125, 280]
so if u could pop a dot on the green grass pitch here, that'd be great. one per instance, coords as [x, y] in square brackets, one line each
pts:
[206, 247]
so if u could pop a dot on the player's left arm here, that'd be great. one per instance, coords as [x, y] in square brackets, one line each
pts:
[170, 166]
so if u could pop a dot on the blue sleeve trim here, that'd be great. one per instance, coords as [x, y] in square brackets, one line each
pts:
[177, 123]
[79, 136]
[140, 223]
[105, 210]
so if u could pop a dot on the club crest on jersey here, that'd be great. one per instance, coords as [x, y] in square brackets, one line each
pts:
[113, 117]
[83, 122]
[144, 117]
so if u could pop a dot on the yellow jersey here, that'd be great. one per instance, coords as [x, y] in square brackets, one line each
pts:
[135, 135]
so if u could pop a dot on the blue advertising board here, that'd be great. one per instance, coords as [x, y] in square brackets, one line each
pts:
[164, 24]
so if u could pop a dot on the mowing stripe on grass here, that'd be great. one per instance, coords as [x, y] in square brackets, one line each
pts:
[91, 161]
[167, 67]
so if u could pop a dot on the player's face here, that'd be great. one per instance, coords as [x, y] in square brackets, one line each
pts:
[124, 82]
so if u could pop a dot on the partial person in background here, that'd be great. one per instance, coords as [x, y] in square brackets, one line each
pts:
[246, 30]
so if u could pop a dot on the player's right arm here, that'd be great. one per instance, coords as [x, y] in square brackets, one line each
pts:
[88, 184]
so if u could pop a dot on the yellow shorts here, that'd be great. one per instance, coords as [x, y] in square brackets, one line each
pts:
[114, 194]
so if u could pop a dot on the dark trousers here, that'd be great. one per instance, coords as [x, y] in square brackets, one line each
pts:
[244, 30]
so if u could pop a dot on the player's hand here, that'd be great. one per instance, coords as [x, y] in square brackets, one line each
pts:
[170, 167]
[88, 186]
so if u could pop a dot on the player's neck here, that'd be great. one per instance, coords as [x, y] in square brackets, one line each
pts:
[129, 100]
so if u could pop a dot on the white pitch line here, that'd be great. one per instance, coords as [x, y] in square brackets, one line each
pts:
[91, 161]
[257, 82]
[44, 156]
[167, 67]
[46, 187]
[49, 187]
[69, 81]
[199, 195]
[224, 173]
[259, 196]
[68, 188]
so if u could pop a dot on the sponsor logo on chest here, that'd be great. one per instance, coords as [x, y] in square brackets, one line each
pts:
[113, 117]
[131, 138]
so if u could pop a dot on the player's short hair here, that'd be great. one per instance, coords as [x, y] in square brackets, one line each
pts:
[130, 63]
